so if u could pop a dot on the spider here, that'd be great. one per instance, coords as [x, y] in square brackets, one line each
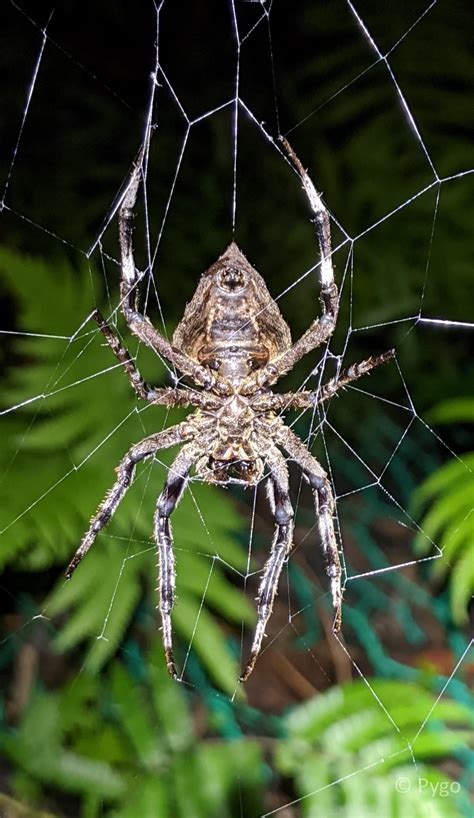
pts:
[234, 344]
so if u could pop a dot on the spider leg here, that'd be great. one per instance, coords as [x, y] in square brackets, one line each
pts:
[167, 502]
[125, 472]
[306, 399]
[143, 390]
[325, 506]
[137, 322]
[278, 492]
[165, 396]
[320, 213]
[322, 328]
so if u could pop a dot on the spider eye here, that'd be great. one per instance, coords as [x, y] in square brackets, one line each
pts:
[232, 279]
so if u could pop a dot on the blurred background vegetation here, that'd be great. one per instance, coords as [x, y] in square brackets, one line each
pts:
[91, 725]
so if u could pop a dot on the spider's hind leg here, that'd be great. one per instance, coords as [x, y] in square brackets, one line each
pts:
[281, 547]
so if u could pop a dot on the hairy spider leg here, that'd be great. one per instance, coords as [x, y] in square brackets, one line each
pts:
[318, 333]
[167, 502]
[325, 506]
[143, 390]
[136, 321]
[322, 328]
[305, 399]
[278, 494]
[125, 473]
[321, 216]
[165, 396]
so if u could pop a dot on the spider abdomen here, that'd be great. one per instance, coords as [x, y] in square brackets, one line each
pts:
[232, 308]
[231, 343]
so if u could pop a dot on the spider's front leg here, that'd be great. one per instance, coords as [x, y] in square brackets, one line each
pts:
[322, 328]
[278, 493]
[136, 321]
[321, 216]
[325, 507]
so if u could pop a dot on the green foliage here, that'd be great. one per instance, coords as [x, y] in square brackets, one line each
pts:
[449, 520]
[74, 417]
[126, 749]
[351, 751]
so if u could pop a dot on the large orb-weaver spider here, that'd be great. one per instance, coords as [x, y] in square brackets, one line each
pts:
[233, 343]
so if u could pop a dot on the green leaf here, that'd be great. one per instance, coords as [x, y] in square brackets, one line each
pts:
[447, 477]
[170, 705]
[37, 749]
[231, 775]
[449, 519]
[149, 799]
[196, 574]
[135, 716]
[203, 635]
[336, 738]
[453, 544]
[455, 410]
[462, 584]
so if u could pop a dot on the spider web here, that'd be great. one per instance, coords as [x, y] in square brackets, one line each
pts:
[211, 124]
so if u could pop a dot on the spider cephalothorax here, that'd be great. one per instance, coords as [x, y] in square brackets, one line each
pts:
[233, 343]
